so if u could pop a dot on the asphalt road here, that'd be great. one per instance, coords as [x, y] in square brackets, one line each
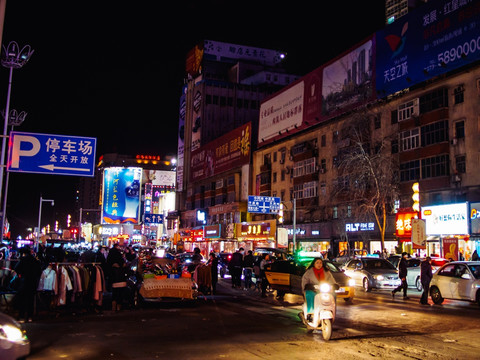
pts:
[239, 324]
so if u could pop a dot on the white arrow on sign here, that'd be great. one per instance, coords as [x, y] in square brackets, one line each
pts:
[52, 167]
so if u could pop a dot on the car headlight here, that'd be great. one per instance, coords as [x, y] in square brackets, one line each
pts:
[379, 277]
[351, 282]
[11, 333]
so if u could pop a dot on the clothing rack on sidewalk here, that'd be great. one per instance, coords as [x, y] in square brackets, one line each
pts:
[79, 285]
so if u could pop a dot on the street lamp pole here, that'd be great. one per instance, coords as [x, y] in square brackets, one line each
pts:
[52, 202]
[15, 119]
[12, 58]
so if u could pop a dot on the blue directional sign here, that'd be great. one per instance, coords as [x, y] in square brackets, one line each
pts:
[153, 219]
[51, 154]
[263, 204]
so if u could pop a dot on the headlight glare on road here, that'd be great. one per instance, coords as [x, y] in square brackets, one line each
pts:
[351, 282]
[11, 333]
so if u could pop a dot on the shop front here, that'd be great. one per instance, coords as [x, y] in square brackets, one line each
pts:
[474, 243]
[313, 238]
[446, 228]
[254, 234]
[108, 234]
[410, 231]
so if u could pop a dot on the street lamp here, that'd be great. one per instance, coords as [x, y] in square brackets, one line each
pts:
[14, 119]
[13, 58]
[52, 202]
[294, 202]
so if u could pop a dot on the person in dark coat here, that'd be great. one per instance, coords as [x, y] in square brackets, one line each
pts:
[213, 263]
[248, 262]
[425, 278]
[402, 274]
[28, 270]
[235, 267]
[116, 266]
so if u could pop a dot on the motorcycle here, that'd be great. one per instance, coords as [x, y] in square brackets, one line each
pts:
[324, 310]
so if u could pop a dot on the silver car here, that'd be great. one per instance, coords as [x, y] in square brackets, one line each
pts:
[413, 270]
[14, 343]
[457, 280]
[372, 273]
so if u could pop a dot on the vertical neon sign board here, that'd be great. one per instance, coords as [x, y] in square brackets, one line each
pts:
[121, 195]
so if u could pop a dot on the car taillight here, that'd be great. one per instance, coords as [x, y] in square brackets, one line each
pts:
[229, 257]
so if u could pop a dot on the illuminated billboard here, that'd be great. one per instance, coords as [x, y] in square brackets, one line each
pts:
[451, 219]
[121, 195]
[228, 151]
[330, 90]
[435, 38]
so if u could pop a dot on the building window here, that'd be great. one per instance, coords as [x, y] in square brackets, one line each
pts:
[434, 100]
[460, 164]
[435, 133]
[323, 189]
[394, 117]
[310, 189]
[394, 145]
[407, 110]
[410, 139]
[460, 129]
[323, 165]
[435, 166]
[324, 140]
[335, 212]
[304, 167]
[274, 175]
[458, 94]
[275, 156]
[410, 171]
[335, 137]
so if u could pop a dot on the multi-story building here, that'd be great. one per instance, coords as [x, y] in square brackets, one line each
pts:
[419, 112]
[219, 111]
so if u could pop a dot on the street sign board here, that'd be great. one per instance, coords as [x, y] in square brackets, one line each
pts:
[51, 154]
[263, 204]
[153, 219]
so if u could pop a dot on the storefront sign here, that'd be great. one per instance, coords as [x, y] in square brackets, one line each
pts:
[446, 219]
[403, 223]
[256, 229]
[354, 227]
[418, 234]
[475, 218]
[212, 231]
[450, 248]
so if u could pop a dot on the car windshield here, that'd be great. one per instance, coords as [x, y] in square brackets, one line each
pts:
[332, 267]
[375, 264]
[475, 269]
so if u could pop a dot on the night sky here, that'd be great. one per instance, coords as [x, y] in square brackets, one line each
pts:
[114, 70]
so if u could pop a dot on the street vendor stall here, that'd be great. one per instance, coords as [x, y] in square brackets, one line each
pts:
[161, 278]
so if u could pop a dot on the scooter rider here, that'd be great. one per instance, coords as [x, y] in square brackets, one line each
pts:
[315, 274]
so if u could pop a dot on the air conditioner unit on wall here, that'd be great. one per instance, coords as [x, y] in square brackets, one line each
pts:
[454, 141]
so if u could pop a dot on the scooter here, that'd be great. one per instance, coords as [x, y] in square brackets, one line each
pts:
[324, 310]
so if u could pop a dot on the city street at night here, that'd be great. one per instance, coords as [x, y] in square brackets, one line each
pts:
[239, 324]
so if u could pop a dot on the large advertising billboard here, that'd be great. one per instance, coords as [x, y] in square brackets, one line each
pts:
[121, 195]
[228, 151]
[330, 90]
[435, 38]
[451, 219]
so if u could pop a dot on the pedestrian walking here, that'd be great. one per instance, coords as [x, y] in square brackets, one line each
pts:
[248, 262]
[28, 270]
[402, 274]
[475, 256]
[213, 263]
[235, 267]
[264, 282]
[116, 266]
[425, 277]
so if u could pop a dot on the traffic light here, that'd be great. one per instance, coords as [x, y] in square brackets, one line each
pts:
[280, 214]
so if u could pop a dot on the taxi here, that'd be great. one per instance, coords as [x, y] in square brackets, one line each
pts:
[285, 276]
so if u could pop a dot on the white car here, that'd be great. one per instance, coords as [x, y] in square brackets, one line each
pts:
[14, 342]
[458, 280]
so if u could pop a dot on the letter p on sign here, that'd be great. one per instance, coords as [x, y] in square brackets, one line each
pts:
[23, 145]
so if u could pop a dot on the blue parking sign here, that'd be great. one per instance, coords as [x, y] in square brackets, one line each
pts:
[51, 154]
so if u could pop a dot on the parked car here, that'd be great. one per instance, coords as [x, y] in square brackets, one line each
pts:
[372, 273]
[223, 261]
[457, 280]
[285, 276]
[14, 343]
[437, 263]
[345, 255]
[413, 270]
